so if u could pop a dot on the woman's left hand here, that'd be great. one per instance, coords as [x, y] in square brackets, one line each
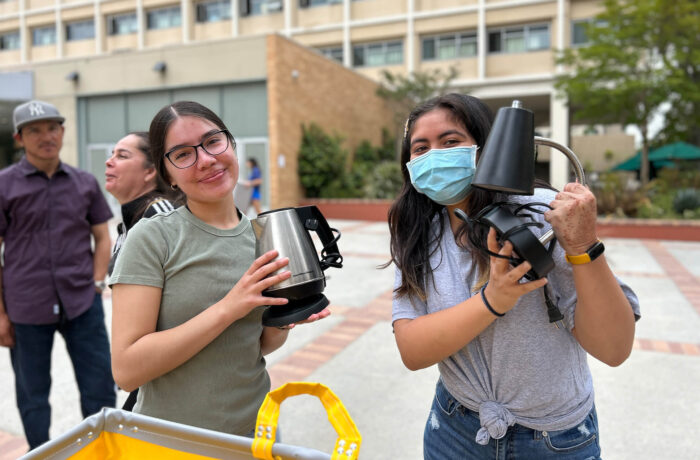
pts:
[573, 218]
[315, 317]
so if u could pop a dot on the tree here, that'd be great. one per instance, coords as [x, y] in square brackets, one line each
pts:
[678, 29]
[404, 92]
[637, 62]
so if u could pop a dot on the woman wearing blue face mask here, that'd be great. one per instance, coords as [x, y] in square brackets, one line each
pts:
[512, 384]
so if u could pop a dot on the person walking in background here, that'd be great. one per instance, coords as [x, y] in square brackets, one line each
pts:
[511, 383]
[132, 179]
[186, 288]
[254, 181]
[52, 279]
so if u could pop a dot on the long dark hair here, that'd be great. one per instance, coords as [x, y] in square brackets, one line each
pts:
[412, 214]
[159, 130]
[162, 190]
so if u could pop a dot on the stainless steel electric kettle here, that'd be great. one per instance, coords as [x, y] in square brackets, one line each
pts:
[287, 231]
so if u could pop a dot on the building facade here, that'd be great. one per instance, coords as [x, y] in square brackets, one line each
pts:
[503, 49]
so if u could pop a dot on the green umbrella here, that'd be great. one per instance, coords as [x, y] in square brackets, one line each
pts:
[660, 157]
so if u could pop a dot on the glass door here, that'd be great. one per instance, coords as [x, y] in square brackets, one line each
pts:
[255, 148]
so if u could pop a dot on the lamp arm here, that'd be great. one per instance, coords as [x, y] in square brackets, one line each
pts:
[578, 169]
[575, 163]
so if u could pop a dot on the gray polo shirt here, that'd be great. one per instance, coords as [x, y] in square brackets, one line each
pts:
[520, 369]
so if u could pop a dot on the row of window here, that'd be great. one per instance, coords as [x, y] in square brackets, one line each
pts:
[459, 45]
[162, 18]
[447, 46]
[118, 24]
[444, 46]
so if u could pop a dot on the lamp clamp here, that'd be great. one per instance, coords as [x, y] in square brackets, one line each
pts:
[512, 223]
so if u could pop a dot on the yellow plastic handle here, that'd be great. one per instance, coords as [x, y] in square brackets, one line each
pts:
[347, 446]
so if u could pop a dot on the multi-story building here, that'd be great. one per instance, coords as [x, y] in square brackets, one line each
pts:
[503, 49]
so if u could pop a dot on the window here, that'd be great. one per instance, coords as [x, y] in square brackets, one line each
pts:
[519, 39]
[450, 46]
[333, 52]
[9, 40]
[538, 37]
[254, 7]
[80, 30]
[42, 36]
[122, 24]
[164, 18]
[308, 3]
[579, 34]
[213, 11]
[377, 54]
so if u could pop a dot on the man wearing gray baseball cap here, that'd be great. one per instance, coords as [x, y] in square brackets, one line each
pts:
[52, 278]
[34, 111]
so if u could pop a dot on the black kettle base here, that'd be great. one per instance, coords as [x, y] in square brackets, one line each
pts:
[294, 311]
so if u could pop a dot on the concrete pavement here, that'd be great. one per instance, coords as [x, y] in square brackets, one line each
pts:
[647, 407]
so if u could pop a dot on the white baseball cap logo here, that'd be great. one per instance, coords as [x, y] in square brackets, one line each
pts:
[35, 109]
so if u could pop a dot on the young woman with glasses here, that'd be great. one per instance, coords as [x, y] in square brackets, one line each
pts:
[186, 324]
[512, 383]
[131, 178]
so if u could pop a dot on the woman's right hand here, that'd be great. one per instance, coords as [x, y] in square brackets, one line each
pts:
[247, 292]
[504, 288]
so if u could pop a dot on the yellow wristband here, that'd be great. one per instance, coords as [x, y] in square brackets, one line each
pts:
[590, 255]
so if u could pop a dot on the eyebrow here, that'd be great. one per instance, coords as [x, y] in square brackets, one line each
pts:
[201, 138]
[446, 133]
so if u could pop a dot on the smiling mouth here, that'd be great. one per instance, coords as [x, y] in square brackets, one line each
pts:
[213, 177]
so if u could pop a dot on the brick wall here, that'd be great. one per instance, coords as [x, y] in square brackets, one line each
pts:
[305, 87]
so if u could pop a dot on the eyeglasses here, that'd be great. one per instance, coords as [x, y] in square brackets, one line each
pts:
[214, 144]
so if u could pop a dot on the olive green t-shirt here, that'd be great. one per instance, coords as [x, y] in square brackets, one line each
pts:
[196, 265]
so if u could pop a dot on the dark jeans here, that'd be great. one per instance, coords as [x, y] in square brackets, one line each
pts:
[88, 347]
[451, 431]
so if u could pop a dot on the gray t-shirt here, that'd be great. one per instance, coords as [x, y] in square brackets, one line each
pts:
[196, 265]
[521, 369]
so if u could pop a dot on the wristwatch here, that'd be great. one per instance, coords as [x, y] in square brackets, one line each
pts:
[101, 285]
[590, 255]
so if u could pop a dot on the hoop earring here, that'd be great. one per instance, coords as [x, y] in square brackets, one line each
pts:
[173, 187]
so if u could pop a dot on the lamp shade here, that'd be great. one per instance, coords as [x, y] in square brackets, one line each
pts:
[507, 162]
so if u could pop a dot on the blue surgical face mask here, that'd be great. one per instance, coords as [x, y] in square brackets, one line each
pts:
[444, 175]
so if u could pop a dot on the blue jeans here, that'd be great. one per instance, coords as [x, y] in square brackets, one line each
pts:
[451, 431]
[88, 347]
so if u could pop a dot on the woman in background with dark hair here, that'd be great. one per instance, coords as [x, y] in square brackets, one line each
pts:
[131, 178]
[511, 383]
[186, 289]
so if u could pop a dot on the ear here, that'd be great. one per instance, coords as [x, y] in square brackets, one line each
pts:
[150, 175]
[18, 139]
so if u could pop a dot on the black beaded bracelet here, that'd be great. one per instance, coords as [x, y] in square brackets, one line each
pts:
[486, 302]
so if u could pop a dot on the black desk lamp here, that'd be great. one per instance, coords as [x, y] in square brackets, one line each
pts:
[507, 165]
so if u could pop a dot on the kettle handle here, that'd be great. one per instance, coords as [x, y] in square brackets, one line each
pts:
[313, 220]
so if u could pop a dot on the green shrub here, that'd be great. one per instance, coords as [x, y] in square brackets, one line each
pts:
[384, 181]
[687, 199]
[365, 154]
[388, 151]
[667, 196]
[321, 161]
[616, 195]
[323, 170]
